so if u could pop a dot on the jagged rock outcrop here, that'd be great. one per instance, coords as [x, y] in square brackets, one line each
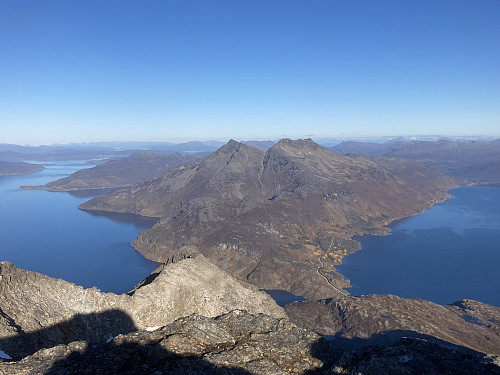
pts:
[271, 218]
[37, 310]
[241, 343]
[118, 173]
[382, 319]
[234, 343]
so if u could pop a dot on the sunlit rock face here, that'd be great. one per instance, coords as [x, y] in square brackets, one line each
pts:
[37, 310]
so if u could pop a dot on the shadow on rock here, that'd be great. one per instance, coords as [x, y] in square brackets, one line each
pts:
[234, 343]
[94, 327]
[389, 338]
[411, 356]
[135, 358]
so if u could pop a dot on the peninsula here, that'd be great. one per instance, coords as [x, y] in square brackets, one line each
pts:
[272, 218]
[11, 168]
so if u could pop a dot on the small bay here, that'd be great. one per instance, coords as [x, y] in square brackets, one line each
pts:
[448, 253]
[45, 232]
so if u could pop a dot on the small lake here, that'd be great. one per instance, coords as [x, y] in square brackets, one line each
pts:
[46, 232]
[445, 254]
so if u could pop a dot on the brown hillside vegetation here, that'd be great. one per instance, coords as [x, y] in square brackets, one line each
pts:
[273, 218]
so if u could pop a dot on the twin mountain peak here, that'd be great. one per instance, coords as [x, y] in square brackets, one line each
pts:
[280, 219]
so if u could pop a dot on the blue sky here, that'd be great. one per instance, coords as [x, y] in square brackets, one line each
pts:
[85, 70]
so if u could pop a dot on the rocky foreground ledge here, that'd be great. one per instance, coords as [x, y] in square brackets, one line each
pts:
[190, 317]
[242, 343]
[38, 311]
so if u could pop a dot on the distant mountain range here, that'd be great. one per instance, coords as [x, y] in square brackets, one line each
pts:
[281, 219]
[101, 150]
[106, 150]
[469, 162]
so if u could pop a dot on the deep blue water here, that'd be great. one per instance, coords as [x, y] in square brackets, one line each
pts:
[45, 232]
[445, 254]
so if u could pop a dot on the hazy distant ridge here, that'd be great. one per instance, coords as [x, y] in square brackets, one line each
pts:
[469, 162]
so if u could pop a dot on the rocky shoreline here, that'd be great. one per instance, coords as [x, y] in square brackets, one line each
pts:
[344, 284]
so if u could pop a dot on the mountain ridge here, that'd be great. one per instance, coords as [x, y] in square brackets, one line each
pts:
[261, 216]
[118, 173]
[469, 162]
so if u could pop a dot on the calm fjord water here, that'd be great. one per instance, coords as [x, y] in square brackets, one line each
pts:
[45, 232]
[445, 254]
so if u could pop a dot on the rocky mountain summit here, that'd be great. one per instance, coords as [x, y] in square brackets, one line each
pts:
[119, 173]
[38, 311]
[280, 219]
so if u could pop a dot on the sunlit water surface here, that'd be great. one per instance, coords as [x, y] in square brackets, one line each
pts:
[445, 254]
[46, 232]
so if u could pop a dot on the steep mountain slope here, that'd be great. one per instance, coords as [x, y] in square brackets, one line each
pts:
[272, 218]
[8, 168]
[36, 310]
[120, 173]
